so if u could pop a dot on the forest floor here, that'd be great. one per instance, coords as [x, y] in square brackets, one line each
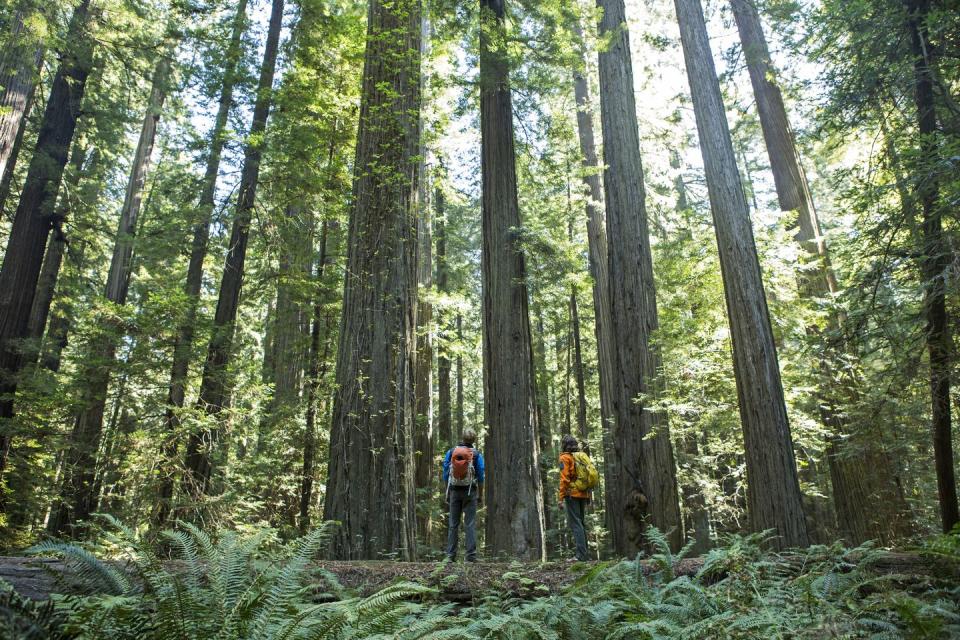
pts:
[36, 578]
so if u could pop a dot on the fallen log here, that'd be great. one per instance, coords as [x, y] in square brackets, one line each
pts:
[37, 578]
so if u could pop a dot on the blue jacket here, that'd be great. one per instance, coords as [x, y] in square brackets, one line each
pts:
[477, 465]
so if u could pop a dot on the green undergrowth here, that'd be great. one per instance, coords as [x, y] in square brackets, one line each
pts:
[234, 586]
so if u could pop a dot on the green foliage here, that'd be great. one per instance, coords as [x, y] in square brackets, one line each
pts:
[232, 587]
[25, 619]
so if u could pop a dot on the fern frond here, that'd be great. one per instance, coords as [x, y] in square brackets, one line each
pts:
[94, 575]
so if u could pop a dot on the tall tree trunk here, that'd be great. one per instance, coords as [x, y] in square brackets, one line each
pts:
[773, 491]
[934, 263]
[583, 430]
[370, 488]
[183, 347]
[56, 247]
[444, 410]
[866, 499]
[34, 217]
[544, 418]
[596, 247]
[632, 456]
[317, 365]
[424, 434]
[515, 519]
[78, 497]
[459, 412]
[19, 67]
[204, 452]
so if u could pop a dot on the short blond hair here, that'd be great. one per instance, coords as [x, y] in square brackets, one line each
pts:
[469, 436]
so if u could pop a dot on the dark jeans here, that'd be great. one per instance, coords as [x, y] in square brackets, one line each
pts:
[462, 503]
[576, 512]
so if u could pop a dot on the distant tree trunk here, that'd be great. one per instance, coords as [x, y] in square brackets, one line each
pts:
[424, 436]
[204, 452]
[19, 67]
[56, 247]
[78, 496]
[773, 491]
[515, 517]
[444, 412]
[632, 456]
[316, 371]
[597, 249]
[183, 347]
[544, 418]
[370, 488]
[459, 412]
[935, 262]
[868, 504]
[34, 217]
[583, 430]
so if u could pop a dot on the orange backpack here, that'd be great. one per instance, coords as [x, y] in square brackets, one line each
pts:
[462, 473]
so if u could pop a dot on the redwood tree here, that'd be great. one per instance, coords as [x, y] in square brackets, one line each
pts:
[35, 212]
[78, 495]
[868, 502]
[203, 450]
[198, 252]
[370, 489]
[773, 490]
[515, 515]
[632, 453]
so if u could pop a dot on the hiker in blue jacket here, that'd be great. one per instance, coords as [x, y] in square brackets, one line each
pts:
[463, 479]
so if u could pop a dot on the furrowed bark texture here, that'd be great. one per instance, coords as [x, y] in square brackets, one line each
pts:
[444, 408]
[183, 347]
[596, 244]
[632, 455]
[370, 489]
[204, 451]
[867, 501]
[424, 439]
[34, 216]
[319, 340]
[19, 68]
[515, 512]
[79, 495]
[934, 264]
[773, 490]
[56, 247]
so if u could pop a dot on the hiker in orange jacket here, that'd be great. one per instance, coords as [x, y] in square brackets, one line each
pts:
[573, 501]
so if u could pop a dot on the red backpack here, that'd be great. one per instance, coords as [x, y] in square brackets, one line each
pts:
[462, 473]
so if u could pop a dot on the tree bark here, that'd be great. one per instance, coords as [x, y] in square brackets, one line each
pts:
[424, 434]
[583, 430]
[204, 451]
[934, 263]
[864, 490]
[56, 247]
[633, 455]
[444, 410]
[316, 372]
[459, 412]
[19, 68]
[515, 518]
[773, 490]
[34, 217]
[78, 495]
[370, 488]
[183, 347]
[597, 250]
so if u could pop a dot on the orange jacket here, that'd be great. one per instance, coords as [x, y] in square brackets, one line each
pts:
[568, 474]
